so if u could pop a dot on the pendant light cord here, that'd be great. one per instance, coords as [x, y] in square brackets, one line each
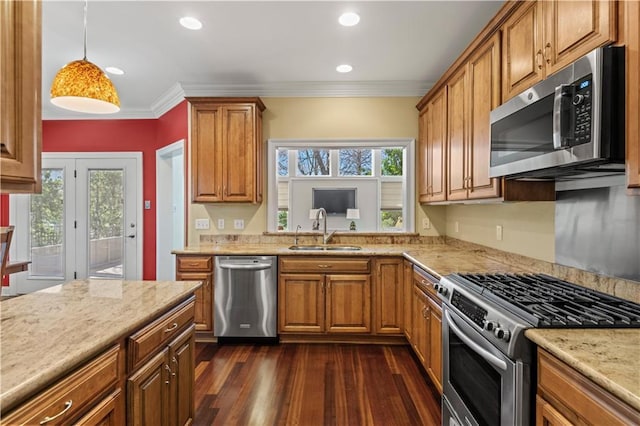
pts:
[86, 4]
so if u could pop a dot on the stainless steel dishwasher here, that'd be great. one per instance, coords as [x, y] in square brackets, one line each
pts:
[245, 294]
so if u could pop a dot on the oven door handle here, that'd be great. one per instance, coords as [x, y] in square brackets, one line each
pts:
[488, 356]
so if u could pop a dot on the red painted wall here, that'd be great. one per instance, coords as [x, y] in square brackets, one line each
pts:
[144, 136]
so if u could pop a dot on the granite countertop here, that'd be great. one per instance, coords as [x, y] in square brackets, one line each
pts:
[609, 357]
[437, 259]
[46, 333]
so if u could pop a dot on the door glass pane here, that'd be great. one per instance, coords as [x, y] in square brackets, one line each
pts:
[106, 223]
[47, 230]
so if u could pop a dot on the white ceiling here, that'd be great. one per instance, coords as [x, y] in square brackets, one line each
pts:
[263, 48]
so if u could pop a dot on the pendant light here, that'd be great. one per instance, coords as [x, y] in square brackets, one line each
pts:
[83, 87]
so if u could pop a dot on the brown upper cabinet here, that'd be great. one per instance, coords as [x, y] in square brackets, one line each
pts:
[631, 38]
[20, 96]
[472, 93]
[227, 150]
[431, 151]
[542, 37]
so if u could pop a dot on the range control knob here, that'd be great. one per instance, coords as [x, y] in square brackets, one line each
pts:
[442, 290]
[490, 325]
[502, 334]
[577, 99]
[436, 286]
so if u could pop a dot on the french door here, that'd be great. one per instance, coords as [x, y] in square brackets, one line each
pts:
[86, 223]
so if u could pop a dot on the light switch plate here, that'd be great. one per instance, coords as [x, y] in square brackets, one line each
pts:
[238, 224]
[202, 223]
[456, 226]
[499, 232]
[147, 204]
[426, 224]
[220, 223]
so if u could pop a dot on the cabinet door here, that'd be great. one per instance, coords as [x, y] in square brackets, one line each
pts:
[420, 325]
[546, 415]
[239, 153]
[574, 28]
[436, 146]
[484, 95]
[423, 166]
[206, 153]
[204, 298]
[301, 303]
[20, 96]
[348, 308]
[148, 392]
[522, 57]
[109, 412]
[435, 344]
[389, 283]
[632, 39]
[182, 372]
[407, 298]
[457, 173]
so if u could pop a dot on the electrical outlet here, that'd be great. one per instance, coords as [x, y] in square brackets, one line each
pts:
[147, 204]
[238, 224]
[202, 223]
[456, 226]
[426, 224]
[499, 232]
[220, 223]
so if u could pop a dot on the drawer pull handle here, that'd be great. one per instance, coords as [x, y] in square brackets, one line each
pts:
[193, 263]
[67, 406]
[173, 327]
[324, 266]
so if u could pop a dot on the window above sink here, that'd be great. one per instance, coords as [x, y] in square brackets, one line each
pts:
[381, 171]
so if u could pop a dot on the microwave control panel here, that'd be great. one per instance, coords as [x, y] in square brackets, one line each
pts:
[582, 100]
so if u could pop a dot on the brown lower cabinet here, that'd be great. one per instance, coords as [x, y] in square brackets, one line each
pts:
[161, 391]
[156, 366]
[198, 267]
[426, 330]
[336, 302]
[566, 397]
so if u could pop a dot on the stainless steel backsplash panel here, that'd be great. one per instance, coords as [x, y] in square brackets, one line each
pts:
[598, 230]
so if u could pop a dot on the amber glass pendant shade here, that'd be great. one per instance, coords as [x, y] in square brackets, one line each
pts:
[83, 87]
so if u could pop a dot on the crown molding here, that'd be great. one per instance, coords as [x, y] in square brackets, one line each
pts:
[317, 89]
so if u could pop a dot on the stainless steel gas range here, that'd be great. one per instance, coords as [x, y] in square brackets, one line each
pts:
[488, 364]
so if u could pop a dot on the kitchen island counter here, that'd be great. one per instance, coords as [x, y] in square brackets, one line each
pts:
[609, 357]
[48, 333]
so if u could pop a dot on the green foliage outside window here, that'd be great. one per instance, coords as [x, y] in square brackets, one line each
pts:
[391, 162]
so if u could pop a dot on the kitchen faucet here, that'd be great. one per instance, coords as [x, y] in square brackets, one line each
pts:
[295, 239]
[325, 237]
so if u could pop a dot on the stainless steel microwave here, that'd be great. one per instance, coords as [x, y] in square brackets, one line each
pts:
[569, 125]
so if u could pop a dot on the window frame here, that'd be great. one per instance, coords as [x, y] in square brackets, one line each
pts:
[408, 196]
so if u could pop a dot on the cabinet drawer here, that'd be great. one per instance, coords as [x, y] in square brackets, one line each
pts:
[71, 396]
[195, 263]
[427, 285]
[149, 339]
[326, 265]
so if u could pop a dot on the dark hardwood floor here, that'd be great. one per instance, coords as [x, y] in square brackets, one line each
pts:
[312, 384]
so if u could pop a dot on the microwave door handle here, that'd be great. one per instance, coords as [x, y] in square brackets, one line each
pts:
[561, 105]
[489, 357]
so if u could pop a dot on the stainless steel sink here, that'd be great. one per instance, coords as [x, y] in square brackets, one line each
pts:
[324, 248]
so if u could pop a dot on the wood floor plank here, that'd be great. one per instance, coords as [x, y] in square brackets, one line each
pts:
[312, 384]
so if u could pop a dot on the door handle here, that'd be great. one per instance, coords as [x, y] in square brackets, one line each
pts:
[131, 236]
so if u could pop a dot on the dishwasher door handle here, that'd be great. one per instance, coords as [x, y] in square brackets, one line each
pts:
[245, 266]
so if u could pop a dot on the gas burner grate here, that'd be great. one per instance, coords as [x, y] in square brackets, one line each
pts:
[550, 302]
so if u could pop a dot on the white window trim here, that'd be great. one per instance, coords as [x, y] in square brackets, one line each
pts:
[408, 197]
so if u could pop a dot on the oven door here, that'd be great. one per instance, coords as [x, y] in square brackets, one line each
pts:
[481, 385]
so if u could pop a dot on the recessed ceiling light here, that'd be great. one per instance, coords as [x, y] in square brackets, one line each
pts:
[344, 68]
[190, 23]
[114, 70]
[349, 19]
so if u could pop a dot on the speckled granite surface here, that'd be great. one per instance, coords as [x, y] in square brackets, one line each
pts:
[45, 333]
[609, 357]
